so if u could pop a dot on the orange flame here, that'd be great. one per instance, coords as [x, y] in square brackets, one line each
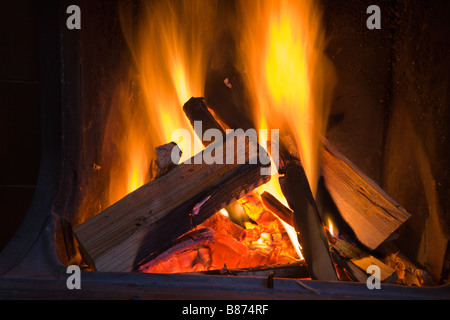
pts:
[281, 45]
[170, 53]
[287, 77]
[138, 164]
[287, 73]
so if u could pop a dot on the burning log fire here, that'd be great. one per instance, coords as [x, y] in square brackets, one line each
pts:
[227, 217]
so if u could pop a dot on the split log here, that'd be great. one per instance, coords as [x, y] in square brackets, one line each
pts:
[369, 210]
[307, 219]
[196, 110]
[307, 222]
[362, 260]
[279, 209]
[152, 217]
[387, 274]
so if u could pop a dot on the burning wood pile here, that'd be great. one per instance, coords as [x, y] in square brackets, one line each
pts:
[199, 218]
[255, 207]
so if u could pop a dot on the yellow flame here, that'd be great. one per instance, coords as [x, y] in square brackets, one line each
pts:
[294, 239]
[332, 229]
[170, 53]
[288, 78]
[137, 169]
[287, 73]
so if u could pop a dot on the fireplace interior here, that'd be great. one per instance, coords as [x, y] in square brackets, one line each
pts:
[74, 99]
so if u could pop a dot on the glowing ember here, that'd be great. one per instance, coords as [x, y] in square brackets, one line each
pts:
[264, 243]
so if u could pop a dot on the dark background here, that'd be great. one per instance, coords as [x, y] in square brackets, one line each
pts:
[20, 112]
